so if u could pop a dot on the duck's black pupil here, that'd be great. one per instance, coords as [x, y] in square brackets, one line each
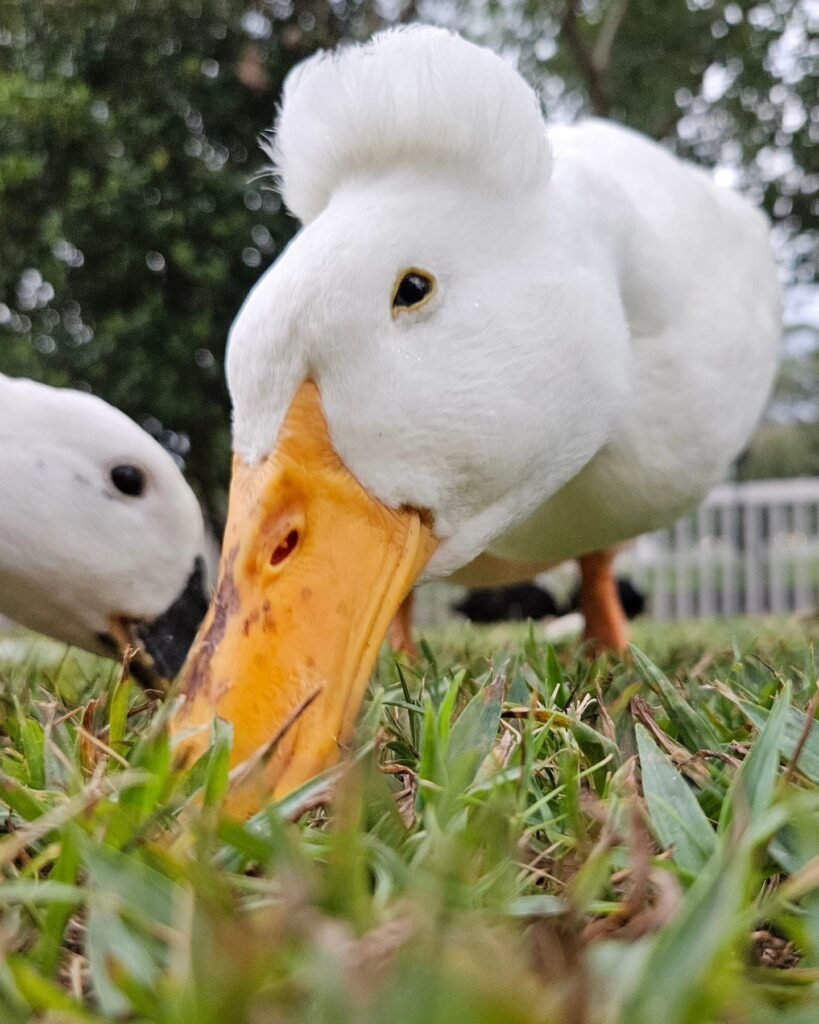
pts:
[413, 288]
[128, 479]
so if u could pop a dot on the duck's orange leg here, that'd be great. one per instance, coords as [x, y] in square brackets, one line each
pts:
[401, 629]
[606, 623]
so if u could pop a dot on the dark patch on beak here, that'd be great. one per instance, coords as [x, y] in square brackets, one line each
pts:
[168, 639]
[226, 602]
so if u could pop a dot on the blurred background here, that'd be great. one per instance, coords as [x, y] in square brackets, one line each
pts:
[136, 212]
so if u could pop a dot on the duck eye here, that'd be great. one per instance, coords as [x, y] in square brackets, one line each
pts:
[412, 289]
[129, 480]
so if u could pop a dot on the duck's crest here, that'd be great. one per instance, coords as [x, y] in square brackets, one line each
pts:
[416, 95]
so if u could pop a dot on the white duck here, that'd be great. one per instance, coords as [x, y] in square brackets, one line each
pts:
[102, 541]
[488, 342]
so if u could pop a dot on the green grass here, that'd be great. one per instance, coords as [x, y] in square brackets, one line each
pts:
[498, 850]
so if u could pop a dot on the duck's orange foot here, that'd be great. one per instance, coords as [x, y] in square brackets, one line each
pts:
[401, 630]
[606, 623]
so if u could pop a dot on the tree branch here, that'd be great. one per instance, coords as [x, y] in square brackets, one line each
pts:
[594, 83]
[601, 54]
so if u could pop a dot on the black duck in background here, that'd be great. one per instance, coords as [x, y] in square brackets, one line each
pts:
[508, 604]
[530, 601]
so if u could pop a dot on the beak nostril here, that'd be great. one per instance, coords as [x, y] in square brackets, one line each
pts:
[286, 548]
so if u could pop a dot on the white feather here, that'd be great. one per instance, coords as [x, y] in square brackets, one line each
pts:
[419, 96]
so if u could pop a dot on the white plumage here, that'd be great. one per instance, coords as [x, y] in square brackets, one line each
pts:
[408, 96]
[76, 553]
[605, 328]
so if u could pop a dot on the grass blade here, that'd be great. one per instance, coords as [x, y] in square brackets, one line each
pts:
[697, 729]
[753, 785]
[675, 813]
[795, 724]
[684, 977]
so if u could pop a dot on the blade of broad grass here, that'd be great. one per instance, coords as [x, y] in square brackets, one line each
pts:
[244, 846]
[118, 713]
[347, 884]
[412, 705]
[570, 773]
[20, 799]
[678, 820]
[446, 706]
[436, 723]
[555, 679]
[151, 1001]
[12, 1008]
[114, 948]
[217, 777]
[47, 950]
[46, 891]
[752, 788]
[429, 763]
[154, 754]
[543, 660]
[429, 657]
[474, 733]
[33, 738]
[685, 976]
[795, 725]
[697, 729]
[133, 884]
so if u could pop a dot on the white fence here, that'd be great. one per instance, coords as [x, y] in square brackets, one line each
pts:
[750, 548]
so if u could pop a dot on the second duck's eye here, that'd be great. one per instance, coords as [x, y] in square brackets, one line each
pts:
[413, 288]
[128, 480]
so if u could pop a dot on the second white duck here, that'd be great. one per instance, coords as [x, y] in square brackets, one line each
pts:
[102, 542]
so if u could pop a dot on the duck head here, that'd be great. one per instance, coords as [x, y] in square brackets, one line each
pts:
[403, 382]
[102, 542]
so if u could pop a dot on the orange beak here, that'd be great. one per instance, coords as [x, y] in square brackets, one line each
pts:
[313, 570]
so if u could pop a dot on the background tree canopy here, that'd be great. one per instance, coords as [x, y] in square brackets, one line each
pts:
[133, 218]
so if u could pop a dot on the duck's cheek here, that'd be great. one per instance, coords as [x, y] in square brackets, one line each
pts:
[313, 570]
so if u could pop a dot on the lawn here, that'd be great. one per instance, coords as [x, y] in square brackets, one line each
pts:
[520, 836]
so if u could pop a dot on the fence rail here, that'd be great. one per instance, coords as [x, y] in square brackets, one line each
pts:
[749, 548]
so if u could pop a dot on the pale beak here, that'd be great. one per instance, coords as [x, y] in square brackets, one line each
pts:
[313, 570]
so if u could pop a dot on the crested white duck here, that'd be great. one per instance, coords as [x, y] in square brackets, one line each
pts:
[489, 341]
[102, 542]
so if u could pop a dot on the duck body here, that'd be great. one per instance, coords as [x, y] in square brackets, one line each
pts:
[102, 542]
[491, 347]
[696, 336]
